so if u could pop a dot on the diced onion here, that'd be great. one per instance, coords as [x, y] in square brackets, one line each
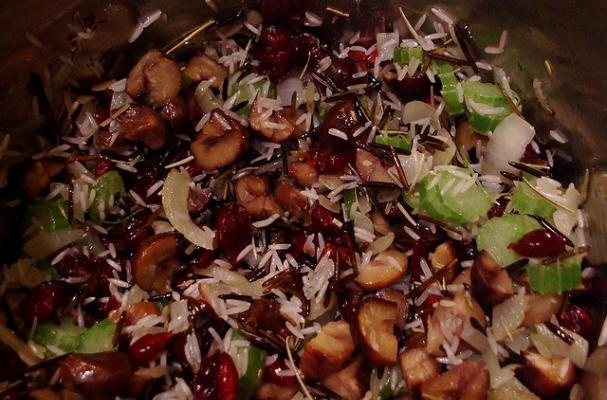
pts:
[286, 88]
[508, 143]
[509, 315]
[382, 243]
[175, 194]
[205, 98]
[577, 352]
[46, 243]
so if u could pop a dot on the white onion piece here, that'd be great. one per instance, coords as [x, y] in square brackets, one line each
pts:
[415, 166]
[474, 337]
[362, 221]
[234, 282]
[13, 342]
[509, 315]
[175, 194]
[326, 203]
[508, 143]
[577, 352]
[512, 390]
[46, 243]
[331, 182]
[415, 111]
[205, 98]
[22, 274]
[286, 88]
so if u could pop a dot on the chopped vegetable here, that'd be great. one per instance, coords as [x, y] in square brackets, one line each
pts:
[250, 380]
[486, 106]
[107, 186]
[403, 55]
[51, 215]
[65, 336]
[526, 201]
[45, 243]
[558, 277]
[496, 234]
[398, 141]
[453, 100]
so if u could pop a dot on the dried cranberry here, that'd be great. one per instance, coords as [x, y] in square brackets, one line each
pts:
[363, 57]
[148, 347]
[340, 70]
[278, 11]
[129, 234]
[322, 220]
[275, 52]
[465, 249]
[44, 300]
[234, 229]
[274, 373]
[102, 113]
[411, 88]
[217, 379]
[328, 160]
[539, 243]
[297, 238]
[78, 266]
[578, 320]
[175, 112]
[498, 208]
[349, 301]
[102, 166]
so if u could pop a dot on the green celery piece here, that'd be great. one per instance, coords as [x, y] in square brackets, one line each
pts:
[555, 278]
[469, 205]
[98, 338]
[245, 94]
[250, 381]
[51, 214]
[495, 235]
[350, 197]
[403, 55]
[490, 95]
[431, 201]
[65, 336]
[526, 201]
[398, 141]
[108, 184]
[386, 391]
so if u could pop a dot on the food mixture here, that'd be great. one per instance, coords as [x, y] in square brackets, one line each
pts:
[297, 208]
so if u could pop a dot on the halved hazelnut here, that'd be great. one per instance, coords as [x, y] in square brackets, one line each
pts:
[272, 391]
[203, 67]
[304, 174]
[349, 383]
[154, 262]
[443, 255]
[375, 321]
[382, 271]
[328, 351]
[547, 377]
[370, 168]
[279, 126]
[220, 143]
[491, 284]
[417, 367]
[252, 192]
[467, 381]
[290, 198]
[156, 76]
[396, 296]
[142, 124]
[541, 307]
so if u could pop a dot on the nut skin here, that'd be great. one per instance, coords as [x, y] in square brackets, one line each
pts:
[154, 262]
[290, 198]
[370, 168]
[417, 367]
[349, 383]
[156, 78]
[547, 377]
[467, 381]
[385, 269]
[541, 307]
[203, 67]
[142, 124]
[374, 327]
[253, 193]
[286, 117]
[218, 146]
[491, 284]
[304, 174]
[328, 351]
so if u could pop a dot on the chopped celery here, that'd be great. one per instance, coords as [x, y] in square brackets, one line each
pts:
[449, 93]
[51, 214]
[485, 95]
[451, 198]
[98, 338]
[65, 336]
[555, 278]
[496, 234]
[403, 55]
[245, 94]
[526, 201]
[250, 380]
[107, 185]
[398, 141]
[350, 197]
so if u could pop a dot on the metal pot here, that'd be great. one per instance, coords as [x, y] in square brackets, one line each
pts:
[559, 42]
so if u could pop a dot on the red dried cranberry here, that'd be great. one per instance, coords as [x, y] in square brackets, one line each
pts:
[329, 160]
[78, 266]
[234, 229]
[129, 234]
[275, 52]
[148, 347]
[498, 208]
[297, 238]
[349, 301]
[539, 243]
[363, 57]
[217, 379]
[44, 300]
[102, 113]
[322, 220]
[578, 320]
[340, 70]
[411, 88]
[102, 166]
[274, 373]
